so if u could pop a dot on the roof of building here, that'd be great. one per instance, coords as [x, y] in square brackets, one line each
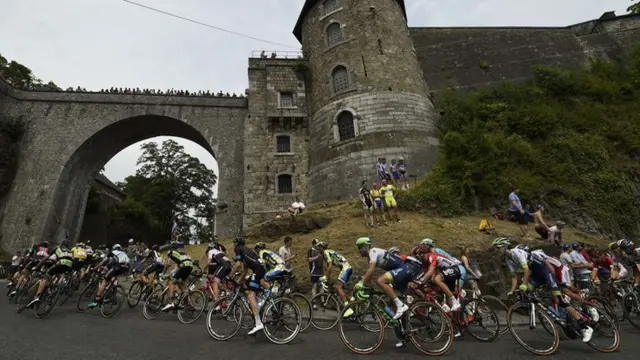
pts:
[309, 4]
[105, 181]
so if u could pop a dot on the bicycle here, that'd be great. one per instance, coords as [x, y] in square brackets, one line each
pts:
[284, 286]
[471, 312]
[140, 290]
[48, 299]
[490, 300]
[184, 305]
[366, 304]
[530, 303]
[234, 307]
[113, 295]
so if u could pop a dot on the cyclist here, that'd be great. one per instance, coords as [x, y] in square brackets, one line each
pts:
[63, 264]
[117, 263]
[33, 258]
[79, 256]
[561, 273]
[184, 266]
[397, 272]
[157, 266]
[443, 271]
[461, 268]
[631, 256]
[273, 263]
[538, 274]
[89, 260]
[219, 266]
[251, 261]
[334, 259]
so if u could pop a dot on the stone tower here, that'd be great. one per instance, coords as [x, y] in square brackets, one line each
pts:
[366, 94]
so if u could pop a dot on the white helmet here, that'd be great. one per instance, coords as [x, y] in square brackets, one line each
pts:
[130, 241]
[116, 247]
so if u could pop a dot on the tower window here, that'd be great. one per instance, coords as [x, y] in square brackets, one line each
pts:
[340, 78]
[334, 34]
[346, 129]
[286, 99]
[283, 144]
[330, 5]
[285, 184]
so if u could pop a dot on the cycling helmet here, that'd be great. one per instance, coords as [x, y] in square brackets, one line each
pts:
[575, 245]
[117, 247]
[612, 245]
[625, 243]
[523, 247]
[45, 243]
[428, 242]
[64, 243]
[501, 242]
[155, 247]
[566, 246]
[322, 245]
[80, 244]
[394, 250]
[363, 241]
[239, 241]
[259, 246]
[419, 250]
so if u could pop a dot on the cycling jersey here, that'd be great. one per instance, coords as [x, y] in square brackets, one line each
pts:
[271, 260]
[62, 257]
[217, 257]
[41, 252]
[541, 256]
[157, 259]
[79, 253]
[384, 260]
[119, 257]
[180, 258]
[249, 258]
[442, 252]
[438, 260]
[516, 259]
[336, 259]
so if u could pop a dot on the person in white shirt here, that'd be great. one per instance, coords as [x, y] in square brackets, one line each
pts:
[555, 233]
[285, 252]
[297, 207]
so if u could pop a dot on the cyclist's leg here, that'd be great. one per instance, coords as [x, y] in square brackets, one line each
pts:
[343, 278]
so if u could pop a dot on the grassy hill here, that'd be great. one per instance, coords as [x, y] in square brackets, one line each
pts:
[346, 225]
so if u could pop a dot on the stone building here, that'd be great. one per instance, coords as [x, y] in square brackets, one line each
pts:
[95, 225]
[312, 125]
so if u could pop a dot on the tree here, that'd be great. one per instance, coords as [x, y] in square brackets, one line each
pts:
[169, 185]
[21, 77]
[634, 8]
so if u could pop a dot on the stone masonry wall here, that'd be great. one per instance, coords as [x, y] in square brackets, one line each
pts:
[267, 120]
[388, 124]
[376, 50]
[465, 58]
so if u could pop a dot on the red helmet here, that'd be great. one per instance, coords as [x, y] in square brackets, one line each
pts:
[420, 249]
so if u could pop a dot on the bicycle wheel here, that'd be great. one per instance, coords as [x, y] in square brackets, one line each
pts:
[191, 306]
[478, 315]
[361, 310]
[606, 337]
[500, 308]
[112, 301]
[428, 325]
[25, 295]
[48, 301]
[327, 312]
[306, 309]
[155, 302]
[604, 305]
[63, 292]
[517, 321]
[135, 293]
[224, 314]
[631, 304]
[285, 315]
[87, 295]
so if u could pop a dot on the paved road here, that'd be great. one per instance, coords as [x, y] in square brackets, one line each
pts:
[66, 334]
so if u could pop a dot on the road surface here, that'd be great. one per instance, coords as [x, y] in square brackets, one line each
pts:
[65, 334]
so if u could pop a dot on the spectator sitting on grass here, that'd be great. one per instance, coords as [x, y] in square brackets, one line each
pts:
[297, 207]
[555, 233]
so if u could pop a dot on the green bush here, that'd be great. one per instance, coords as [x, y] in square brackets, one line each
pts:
[568, 139]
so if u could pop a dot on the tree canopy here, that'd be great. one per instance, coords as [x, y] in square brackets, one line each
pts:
[21, 77]
[634, 8]
[169, 186]
[567, 139]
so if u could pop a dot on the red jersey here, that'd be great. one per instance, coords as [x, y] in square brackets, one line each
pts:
[438, 260]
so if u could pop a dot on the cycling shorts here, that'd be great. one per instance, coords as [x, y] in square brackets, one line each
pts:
[345, 274]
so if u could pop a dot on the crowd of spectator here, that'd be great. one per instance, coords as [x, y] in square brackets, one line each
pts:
[115, 90]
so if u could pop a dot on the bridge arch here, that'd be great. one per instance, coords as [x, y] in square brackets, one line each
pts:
[70, 137]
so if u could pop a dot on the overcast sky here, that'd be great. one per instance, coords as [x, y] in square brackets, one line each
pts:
[102, 43]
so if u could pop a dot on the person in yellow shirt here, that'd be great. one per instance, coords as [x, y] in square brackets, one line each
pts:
[390, 203]
[378, 205]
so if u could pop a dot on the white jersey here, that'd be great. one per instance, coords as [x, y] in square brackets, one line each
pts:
[541, 256]
[157, 258]
[121, 256]
[516, 259]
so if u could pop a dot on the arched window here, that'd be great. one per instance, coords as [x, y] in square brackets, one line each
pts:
[283, 144]
[346, 129]
[285, 184]
[334, 34]
[340, 78]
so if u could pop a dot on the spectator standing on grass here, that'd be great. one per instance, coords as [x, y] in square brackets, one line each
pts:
[367, 204]
[316, 270]
[389, 192]
[517, 211]
[378, 211]
[380, 170]
[285, 252]
[402, 170]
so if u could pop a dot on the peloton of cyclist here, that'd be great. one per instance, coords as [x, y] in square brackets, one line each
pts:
[63, 264]
[219, 266]
[442, 270]
[536, 273]
[463, 271]
[157, 266]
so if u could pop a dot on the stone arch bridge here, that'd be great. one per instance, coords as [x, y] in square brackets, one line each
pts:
[70, 136]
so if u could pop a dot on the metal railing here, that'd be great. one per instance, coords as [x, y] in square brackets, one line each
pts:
[271, 54]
